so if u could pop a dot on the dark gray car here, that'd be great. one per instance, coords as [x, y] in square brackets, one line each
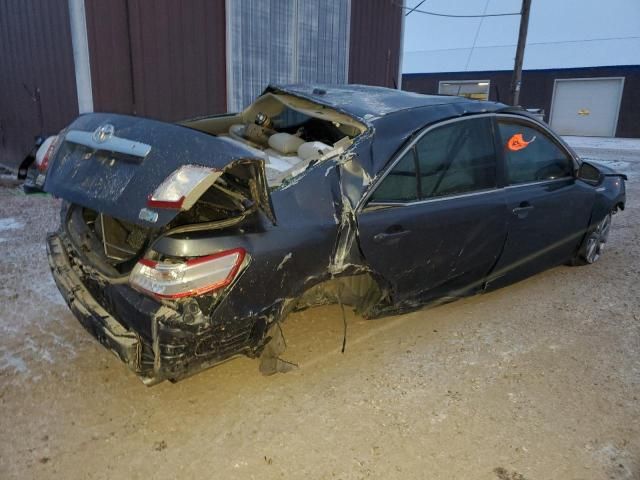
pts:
[183, 245]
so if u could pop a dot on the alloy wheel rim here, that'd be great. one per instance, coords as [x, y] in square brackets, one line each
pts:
[596, 242]
[593, 248]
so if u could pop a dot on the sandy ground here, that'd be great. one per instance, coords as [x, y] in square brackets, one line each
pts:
[539, 380]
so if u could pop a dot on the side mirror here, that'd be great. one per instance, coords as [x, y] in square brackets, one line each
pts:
[589, 173]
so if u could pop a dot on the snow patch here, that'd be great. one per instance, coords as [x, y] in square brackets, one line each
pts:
[10, 223]
[48, 290]
[602, 142]
[617, 459]
[12, 363]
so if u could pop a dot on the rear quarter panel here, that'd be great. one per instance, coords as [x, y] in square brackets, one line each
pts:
[285, 259]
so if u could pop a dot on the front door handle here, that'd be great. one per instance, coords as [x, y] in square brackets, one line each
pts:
[523, 210]
[381, 237]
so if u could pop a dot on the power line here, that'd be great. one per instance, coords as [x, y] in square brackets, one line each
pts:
[436, 14]
[414, 8]
[502, 45]
[475, 39]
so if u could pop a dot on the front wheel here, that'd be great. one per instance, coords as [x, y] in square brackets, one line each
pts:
[593, 244]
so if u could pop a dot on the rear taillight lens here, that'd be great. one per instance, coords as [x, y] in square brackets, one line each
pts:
[185, 279]
[174, 190]
[45, 152]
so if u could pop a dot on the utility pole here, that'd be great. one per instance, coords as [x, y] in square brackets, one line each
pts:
[516, 79]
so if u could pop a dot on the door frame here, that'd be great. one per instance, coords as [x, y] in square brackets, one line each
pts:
[619, 102]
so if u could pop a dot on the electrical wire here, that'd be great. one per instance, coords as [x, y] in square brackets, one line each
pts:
[436, 14]
[414, 8]
[475, 39]
[558, 42]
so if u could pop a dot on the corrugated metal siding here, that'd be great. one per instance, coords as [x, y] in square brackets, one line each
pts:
[374, 44]
[322, 38]
[35, 54]
[110, 55]
[537, 88]
[163, 59]
[285, 41]
[261, 47]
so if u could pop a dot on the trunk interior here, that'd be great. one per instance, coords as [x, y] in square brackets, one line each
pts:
[113, 245]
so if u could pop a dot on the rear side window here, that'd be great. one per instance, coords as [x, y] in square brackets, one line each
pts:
[457, 158]
[400, 184]
[531, 155]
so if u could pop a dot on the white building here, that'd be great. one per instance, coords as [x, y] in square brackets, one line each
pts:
[582, 59]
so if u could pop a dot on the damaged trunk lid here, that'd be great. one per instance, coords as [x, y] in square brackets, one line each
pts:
[113, 164]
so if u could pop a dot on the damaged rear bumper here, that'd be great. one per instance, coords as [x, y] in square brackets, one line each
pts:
[96, 320]
[170, 353]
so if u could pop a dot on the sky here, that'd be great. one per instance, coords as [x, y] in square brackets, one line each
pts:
[562, 34]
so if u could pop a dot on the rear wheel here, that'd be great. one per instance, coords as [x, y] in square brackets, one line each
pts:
[593, 244]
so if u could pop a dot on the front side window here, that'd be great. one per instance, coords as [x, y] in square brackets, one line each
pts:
[531, 155]
[457, 158]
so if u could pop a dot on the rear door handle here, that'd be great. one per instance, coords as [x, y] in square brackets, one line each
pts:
[523, 210]
[381, 237]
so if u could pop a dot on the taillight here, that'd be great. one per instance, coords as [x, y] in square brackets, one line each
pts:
[45, 152]
[185, 279]
[174, 190]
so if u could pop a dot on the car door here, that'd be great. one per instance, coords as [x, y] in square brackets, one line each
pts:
[548, 208]
[435, 222]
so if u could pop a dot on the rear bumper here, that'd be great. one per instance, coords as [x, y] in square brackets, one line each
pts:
[174, 350]
[126, 344]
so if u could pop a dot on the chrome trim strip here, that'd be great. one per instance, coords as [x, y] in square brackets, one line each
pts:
[113, 144]
[436, 199]
[470, 194]
[539, 182]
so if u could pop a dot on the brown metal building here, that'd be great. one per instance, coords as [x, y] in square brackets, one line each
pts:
[37, 82]
[170, 60]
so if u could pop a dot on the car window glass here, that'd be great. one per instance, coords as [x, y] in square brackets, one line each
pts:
[531, 155]
[400, 184]
[457, 158]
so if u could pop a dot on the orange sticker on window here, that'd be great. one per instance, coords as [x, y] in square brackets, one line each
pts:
[517, 142]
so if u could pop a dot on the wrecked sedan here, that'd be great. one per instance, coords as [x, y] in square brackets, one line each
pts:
[183, 245]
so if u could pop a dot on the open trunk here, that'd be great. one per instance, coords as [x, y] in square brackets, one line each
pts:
[130, 179]
[113, 164]
[109, 168]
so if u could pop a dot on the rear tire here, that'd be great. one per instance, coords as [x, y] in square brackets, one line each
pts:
[593, 244]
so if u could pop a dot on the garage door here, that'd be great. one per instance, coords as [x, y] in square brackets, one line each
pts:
[586, 106]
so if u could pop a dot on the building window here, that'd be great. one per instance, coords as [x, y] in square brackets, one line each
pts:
[474, 89]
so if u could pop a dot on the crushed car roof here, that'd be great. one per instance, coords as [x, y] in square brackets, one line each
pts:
[364, 101]
[394, 115]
